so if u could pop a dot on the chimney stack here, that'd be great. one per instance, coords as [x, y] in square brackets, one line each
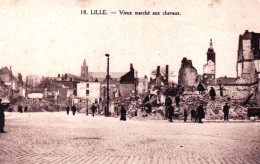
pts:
[158, 71]
[131, 67]
[167, 74]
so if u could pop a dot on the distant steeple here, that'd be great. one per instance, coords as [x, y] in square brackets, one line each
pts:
[84, 62]
[84, 70]
[211, 44]
[211, 54]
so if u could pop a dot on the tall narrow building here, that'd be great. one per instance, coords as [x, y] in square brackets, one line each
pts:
[84, 70]
[209, 69]
[248, 60]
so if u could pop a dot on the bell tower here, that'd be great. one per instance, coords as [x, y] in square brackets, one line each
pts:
[84, 70]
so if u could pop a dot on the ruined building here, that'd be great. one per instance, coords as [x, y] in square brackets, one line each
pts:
[128, 82]
[248, 59]
[209, 69]
[248, 62]
[161, 77]
[188, 75]
[247, 84]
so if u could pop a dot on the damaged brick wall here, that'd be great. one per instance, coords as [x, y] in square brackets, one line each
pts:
[188, 75]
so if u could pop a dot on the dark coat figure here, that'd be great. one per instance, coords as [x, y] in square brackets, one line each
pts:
[226, 111]
[193, 115]
[74, 109]
[221, 90]
[93, 108]
[20, 109]
[2, 117]
[123, 113]
[168, 102]
[212, 93]
[185, 115]
[200, 88]
[149, 108]
[68, 110]
[171, 112]
[177, 100]
[25, 108]
[200, 113]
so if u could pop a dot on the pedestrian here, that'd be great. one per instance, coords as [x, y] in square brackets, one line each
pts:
[93, 108]
[25, 108]
[168, 103]
[123, 113]
[193, 115]
[220, 90]
[2, 117]
[171, 112]
[74, 109]
[212, 93]
[200, 111]
[226, 111]
[185, 115]
[68, 110]
[20, 109]
[200, 88]
[177, 100]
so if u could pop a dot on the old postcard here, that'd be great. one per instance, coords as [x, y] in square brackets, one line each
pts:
[141, 81]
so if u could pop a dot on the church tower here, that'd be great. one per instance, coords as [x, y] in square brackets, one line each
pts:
[211, 54]
[209, 69]
[84, 70]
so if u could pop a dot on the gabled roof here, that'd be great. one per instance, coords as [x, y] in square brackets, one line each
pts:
[128, 78]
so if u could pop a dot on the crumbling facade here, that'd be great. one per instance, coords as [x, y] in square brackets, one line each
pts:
[142, 86]
[247, 81]
[188, 75]
[248, 61]
[209, 69]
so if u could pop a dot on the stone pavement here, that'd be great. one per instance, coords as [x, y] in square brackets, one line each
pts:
[58, 138]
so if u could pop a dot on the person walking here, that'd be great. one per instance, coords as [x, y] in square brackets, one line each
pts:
[74, 109]
[93, 108]
[68, 110]
[200, 112]
[168, 103]
[123, 113]
[171, 112]
[185, 115]
[226, 111]
[25, 108]
[193, 115]
[2, 117]
[212, 93]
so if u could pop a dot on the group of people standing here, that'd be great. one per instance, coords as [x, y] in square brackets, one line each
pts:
[196, 115]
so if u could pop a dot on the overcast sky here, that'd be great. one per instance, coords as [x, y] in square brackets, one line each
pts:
[48, 37]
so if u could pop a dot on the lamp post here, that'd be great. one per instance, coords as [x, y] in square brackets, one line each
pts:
[107, 109]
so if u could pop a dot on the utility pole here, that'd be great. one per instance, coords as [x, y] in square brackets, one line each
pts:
[107, 109]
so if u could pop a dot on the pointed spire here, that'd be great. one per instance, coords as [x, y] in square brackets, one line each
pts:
[211, 44]
[84, 62]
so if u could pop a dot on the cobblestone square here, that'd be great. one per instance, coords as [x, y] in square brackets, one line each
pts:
[60, 138]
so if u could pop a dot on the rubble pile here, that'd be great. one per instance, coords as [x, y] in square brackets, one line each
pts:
[35, 105]
[213, 109]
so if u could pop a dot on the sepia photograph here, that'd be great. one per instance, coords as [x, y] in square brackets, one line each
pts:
[129, 82]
